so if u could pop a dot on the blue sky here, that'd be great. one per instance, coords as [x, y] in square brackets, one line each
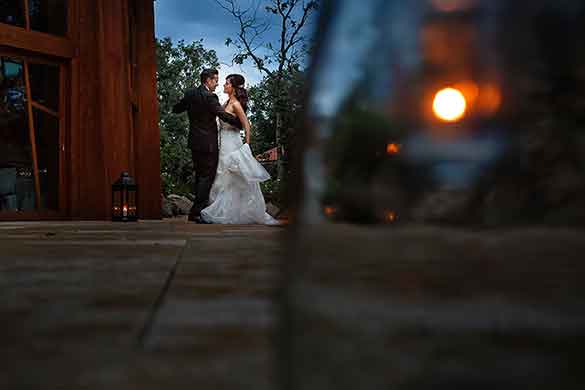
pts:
[205, 19]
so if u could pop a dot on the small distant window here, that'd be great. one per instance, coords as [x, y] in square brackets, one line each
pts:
[12, 12]
[49, 16]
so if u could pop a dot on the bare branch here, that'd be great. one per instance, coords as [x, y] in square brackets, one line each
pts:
[282, 57]
[252, 29]
[245, 26]
[307, 8]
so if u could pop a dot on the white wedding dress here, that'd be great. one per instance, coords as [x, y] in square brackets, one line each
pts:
[235, 197]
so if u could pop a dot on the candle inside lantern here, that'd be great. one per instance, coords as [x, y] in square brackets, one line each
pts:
[125, 211]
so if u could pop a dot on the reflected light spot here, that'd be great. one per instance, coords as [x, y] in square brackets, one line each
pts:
[490, 99]
[452, 5]
[329, 211]
[449, 104]
[393, 148]
[390, 216]
[469, 89]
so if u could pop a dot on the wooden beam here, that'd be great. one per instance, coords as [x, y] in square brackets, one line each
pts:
[62, 197]
[47, 110]
[42, 215]
[26, 15]
[31, 132]
[147, 134]
[47, 44]
[72, 160]
[72, 19]
[31, 57]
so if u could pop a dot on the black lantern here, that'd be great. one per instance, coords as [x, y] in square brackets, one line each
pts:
[124, 196]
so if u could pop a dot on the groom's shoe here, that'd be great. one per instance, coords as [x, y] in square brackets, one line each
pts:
[197, 219]
[202, 221]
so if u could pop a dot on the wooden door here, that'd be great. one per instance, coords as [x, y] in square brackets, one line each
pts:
[35, 52]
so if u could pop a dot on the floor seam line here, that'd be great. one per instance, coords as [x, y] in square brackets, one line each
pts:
[158, 303]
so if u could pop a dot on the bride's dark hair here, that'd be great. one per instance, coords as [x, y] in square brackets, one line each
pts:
[237, 81]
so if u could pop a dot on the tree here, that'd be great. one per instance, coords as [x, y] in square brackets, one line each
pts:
[263, 109]
[178, 68]
[263, 117]
[276, 60]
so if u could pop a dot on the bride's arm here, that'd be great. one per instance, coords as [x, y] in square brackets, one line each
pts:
[243, 119]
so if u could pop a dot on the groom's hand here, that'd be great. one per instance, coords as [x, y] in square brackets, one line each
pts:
[183, 104]
[219, 111]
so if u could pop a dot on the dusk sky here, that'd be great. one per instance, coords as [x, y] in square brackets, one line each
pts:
[205, 19]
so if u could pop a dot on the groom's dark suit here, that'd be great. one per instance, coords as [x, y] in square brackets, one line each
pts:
[203, 107]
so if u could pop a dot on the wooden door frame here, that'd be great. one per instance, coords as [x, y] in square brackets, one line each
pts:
[37, 42]
[62, 51]
[64, 129]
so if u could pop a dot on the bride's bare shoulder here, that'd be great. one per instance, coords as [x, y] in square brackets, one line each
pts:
[228, 106]
[237, 106]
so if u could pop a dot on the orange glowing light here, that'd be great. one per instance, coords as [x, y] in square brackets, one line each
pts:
[452, 5]
[390, 216]
[449, 104]
[329, 211]
[490, 99]
[469, 89]
[393, 148]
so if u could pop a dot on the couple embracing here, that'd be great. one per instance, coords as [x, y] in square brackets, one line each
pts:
[227, 176]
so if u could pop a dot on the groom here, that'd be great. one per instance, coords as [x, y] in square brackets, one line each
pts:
[202, 106]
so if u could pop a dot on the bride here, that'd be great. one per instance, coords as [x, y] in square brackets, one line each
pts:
[235, 196]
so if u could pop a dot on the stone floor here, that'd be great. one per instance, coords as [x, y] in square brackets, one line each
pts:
[429, 307]
[97, 305]
[174, 305]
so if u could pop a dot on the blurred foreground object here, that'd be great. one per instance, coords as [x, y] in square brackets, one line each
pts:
[486, 99]
[439, 237]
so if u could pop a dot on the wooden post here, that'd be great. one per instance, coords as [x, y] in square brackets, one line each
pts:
[31, 131]
[61, 192]
[26, 15]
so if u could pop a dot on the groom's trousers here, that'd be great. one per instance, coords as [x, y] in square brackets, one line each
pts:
[204, 167]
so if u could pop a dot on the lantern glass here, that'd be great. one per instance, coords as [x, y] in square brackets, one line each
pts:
[124, 199]
[131, 203]
[116, 202]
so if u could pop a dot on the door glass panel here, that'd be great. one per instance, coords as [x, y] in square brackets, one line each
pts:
[16, 166]
[47, 140]
[11, 12]
[44, 85]
[48, 16]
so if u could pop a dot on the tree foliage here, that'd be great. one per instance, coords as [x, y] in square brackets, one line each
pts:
[178, 69]
[269, 97]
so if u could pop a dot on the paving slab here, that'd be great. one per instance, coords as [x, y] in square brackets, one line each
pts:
[151, 305]
[83, 306]
[423, 307]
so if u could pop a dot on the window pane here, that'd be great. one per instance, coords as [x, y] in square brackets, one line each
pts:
[47, 140]
[44, 85]
[48, 16]
[16, 167]
[11, 12]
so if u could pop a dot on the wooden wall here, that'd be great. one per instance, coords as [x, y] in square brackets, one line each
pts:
[114, 117]
[111, 103]
[147, 133]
